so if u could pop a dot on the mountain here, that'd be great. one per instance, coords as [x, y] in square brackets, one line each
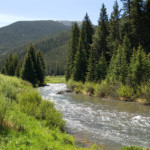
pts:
[51, 37]
[22, 32]
[54, 48]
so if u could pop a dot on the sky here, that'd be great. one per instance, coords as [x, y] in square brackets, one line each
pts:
[73, 10]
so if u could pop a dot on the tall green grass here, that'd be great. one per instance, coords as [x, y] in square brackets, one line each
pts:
[27, 121]
[55, 79]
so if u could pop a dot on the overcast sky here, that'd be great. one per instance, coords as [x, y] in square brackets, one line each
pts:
[17, 10]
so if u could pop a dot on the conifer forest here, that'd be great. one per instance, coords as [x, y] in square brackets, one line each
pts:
[115, 53]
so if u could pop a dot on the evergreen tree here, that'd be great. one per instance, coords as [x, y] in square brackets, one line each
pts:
[41, 57]
[3, 70]
[139, 67]
[146, 28]
[11, 64]
[18, 70]
[91, 69]
[40, 69]
[114, 27]
[86, 34]
[126, 45]
[136, 22]
[99, 38]
[28, 70]
[73, 47]
[127, 8]
[101, 69]
[118, 68]
[80, 64]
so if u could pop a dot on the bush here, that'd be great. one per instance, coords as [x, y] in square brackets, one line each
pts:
[145, 91]
[90, 88]
[52, 117]
[126, 92]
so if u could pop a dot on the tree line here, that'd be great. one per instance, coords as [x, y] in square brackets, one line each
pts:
[32, 70]
[118, 48]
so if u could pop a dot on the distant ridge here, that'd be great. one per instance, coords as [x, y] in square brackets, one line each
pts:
[22, 32]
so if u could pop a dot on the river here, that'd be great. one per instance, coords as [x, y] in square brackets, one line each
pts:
[106, 122]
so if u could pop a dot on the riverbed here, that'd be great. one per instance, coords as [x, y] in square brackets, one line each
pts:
[106, 122]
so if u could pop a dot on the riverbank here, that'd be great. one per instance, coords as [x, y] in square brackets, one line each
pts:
[116, 90]
[98, 120]
[27, 121]
[55, 79]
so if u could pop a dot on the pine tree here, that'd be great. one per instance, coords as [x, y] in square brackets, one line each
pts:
[101, 69]
[127, 8]
[118, 68]
[114, 27]
[28, 70]
[136, 22]
[40, 69]
[80, 64]
[139, 67]
[73, 47]
[11, 64]
[146, 28]
[86, 34]
[91, 69]
[18, 70]
[3, 70]
[126, 45]
[99, 38]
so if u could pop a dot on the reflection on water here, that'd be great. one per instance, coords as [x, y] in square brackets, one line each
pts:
[104, 121]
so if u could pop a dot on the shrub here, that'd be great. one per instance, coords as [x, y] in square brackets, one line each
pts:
[52, 117]
[126, 92]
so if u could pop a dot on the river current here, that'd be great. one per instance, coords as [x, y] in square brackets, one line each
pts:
[106, 122]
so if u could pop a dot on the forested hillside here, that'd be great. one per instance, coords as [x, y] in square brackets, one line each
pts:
[26, 31]
[53, 47]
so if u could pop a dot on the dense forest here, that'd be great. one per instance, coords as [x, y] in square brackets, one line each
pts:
[117, 53]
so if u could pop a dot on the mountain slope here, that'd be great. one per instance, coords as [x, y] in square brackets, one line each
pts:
[53, 47]
[26, 31]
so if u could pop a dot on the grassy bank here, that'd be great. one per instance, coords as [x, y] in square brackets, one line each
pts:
[114, 89]
[27, 121]
[55, 79]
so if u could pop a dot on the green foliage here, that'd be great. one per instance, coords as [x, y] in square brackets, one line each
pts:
[34, 67]
[27, 121]
[86, 34]
[139, 67]
[28, 71]
[118, 68]
[132, 148]
[114, 27]
[91, 69]
[11, 66]
[101, 69]
[126, 92]
[80, 64]
[23, 32]
[100, 36]
[73, 48]
[55, 79]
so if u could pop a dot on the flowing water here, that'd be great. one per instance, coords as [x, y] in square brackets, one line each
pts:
[107, 122]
